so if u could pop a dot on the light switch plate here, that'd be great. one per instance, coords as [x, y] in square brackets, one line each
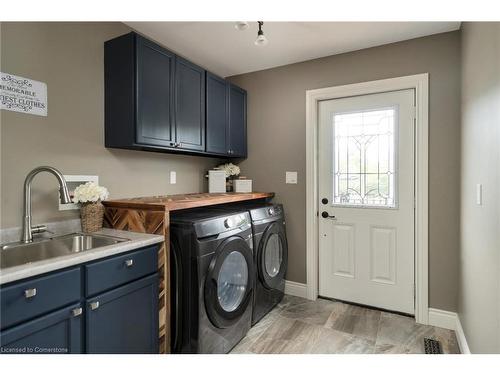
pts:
[173, 177]
[479, 194]
[291, 177]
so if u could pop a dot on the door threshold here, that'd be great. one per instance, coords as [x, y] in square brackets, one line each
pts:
[368, 307]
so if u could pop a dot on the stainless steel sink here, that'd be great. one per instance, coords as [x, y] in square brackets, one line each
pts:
[15, 254]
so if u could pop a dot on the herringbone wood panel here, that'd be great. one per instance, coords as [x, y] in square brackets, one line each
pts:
[153, 222]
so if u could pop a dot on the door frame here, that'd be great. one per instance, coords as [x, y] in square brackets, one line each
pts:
[420, 83]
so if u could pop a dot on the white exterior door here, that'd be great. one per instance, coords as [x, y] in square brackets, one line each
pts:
[366, 200]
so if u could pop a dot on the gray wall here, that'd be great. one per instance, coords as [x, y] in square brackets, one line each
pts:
[479, 298]
[276, 131]
[69, 58]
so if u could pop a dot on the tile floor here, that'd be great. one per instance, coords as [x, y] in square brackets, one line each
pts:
[298, 325]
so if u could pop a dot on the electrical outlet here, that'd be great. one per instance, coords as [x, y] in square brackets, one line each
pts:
[291, 177]
[173, 177]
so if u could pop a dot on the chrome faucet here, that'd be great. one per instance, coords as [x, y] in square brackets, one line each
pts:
[28, 229]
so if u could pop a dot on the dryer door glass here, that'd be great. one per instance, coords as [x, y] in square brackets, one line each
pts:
[273, 255]
[232, 281]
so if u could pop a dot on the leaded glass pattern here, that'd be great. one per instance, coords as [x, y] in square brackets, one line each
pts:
[364, 172]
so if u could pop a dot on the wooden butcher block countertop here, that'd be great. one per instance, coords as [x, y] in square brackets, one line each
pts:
[184, 201]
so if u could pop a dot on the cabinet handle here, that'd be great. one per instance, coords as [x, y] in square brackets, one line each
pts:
[30, 293]
[129, 262]
[177, 145]
[94, 305]
[77, 311]
[172, 144]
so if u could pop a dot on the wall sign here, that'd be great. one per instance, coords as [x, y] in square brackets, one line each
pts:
[24, 95]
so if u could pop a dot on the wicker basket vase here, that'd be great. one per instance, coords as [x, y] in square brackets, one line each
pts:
[92, 214]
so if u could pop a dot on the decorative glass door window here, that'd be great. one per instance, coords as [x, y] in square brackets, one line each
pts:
[364, 168]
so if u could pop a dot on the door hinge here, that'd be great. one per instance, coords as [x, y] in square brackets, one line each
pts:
[414, 112]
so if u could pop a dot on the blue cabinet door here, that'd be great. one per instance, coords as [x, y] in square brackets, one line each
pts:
[237, 121]
[30, 298]
[54, 333]
[154, 96]
[189, 105]
[217, 115]
[106, 274]
[124, 320]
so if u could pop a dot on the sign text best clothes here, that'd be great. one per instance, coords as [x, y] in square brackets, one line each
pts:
[24, 95]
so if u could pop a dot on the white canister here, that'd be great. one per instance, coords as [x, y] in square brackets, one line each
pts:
[242, 186]
[216, 181]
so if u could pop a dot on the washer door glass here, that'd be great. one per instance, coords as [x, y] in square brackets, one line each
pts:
[273, 255]
[232, 281]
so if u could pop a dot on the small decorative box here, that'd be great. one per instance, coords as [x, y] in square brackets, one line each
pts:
[243, 186]
[216, 181]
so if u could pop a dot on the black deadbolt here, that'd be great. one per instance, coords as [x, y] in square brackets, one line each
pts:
[324, 201]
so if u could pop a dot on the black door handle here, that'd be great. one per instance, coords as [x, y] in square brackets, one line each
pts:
[325, 215]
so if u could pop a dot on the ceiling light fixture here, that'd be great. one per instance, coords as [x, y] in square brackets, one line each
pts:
[261, 38]
[241, 25]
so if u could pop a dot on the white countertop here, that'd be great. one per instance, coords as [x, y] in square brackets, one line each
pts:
[137, 240]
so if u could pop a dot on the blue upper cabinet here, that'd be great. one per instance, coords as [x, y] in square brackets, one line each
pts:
[189, 105]
[217, 115]
[157, 101]
[226, 118]
[155, 80]
[237, 121]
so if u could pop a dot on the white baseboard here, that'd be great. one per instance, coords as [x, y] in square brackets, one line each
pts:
[462, 342]
[442, 318]
[295, 289]
[449, 320]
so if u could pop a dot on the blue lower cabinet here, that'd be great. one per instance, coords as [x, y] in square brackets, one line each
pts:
[125, 319]
[38, 296]
[55, 333]
[106, 306]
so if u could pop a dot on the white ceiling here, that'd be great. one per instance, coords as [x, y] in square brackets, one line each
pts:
[220, 48]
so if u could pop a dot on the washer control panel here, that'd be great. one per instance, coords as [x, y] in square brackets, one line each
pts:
[235, 221]
[274, 211]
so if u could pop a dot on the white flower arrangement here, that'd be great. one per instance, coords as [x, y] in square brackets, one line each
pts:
[90, 192]
[230, 169]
